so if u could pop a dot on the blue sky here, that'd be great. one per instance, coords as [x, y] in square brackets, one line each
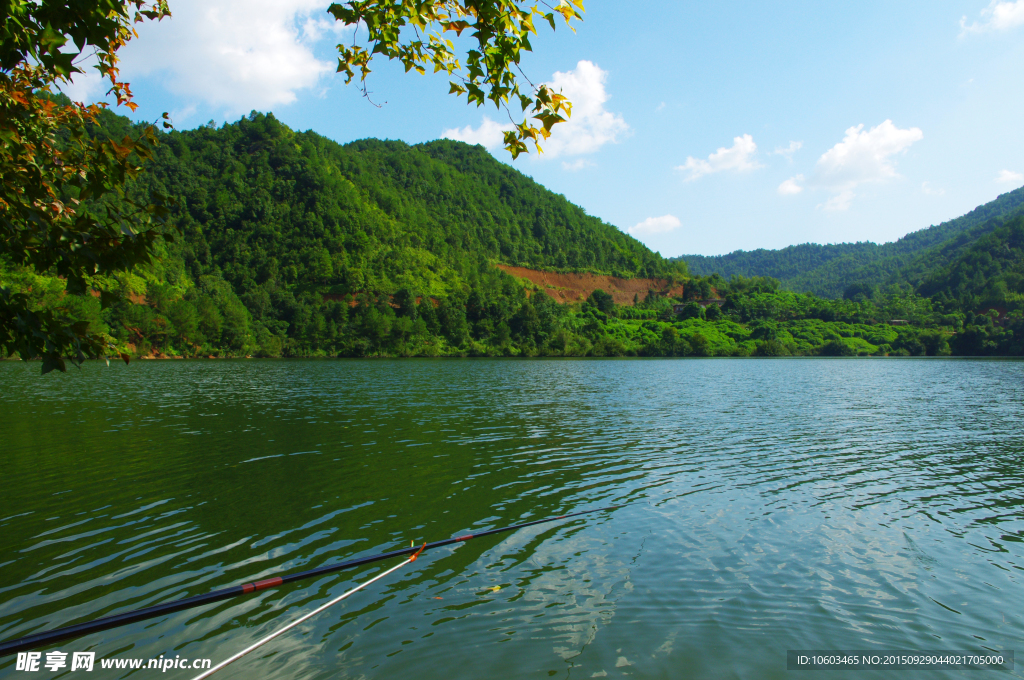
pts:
[699, 127]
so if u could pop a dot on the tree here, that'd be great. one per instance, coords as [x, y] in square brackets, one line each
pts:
[699, 345]
[837, 348]
[525, 323]
[699, 289]
[854, 289]
[771, 348]
[320, 264]
[936, 343]
[671, 343]
[62, 202]
[419, 35]
[406, 301]
[765, 330]
[451, 315]
[185, 319]
[602, 301]
[692, 310]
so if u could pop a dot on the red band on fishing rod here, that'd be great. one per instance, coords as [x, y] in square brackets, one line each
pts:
[464, 538]
[261, 585]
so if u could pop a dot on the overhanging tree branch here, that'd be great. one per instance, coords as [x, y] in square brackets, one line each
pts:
[502, 31]
[63, 208]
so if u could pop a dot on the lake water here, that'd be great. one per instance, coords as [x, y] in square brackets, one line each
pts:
[772, 505]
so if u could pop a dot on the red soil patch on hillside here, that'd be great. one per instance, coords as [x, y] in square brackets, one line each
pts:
[576, 287]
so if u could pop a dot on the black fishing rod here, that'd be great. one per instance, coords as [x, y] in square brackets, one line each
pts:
[107, 622]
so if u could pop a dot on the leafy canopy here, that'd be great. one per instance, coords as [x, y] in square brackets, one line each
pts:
[418, 34]
[62, 201]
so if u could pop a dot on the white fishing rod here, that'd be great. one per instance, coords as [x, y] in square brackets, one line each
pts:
[285, 629]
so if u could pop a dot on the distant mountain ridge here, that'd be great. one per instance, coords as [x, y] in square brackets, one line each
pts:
[828, 270]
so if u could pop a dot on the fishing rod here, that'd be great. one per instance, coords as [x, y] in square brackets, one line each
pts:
[134, 616]
[281, 631]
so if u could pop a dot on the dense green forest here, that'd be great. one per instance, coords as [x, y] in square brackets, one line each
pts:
[289, 244]
[828, 270]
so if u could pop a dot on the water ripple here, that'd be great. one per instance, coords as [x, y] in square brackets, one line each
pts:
[773, 504]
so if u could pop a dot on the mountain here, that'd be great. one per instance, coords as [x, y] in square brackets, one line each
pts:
[987, 273]
[261, 202]
[289, 244]
[283, 233]
[829, 270]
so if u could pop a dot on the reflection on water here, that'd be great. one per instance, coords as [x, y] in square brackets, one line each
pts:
[774, 505]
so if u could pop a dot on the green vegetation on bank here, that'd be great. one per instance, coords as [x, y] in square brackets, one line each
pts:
[292, 245]
[759, 319]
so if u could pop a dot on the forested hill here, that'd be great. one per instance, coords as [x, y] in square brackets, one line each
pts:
[261, 202]
[829, 270]
[282, 234]
[987, 273]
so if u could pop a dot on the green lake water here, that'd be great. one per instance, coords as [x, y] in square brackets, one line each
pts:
[772, 505]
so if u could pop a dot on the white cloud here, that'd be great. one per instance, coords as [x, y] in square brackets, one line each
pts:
[840, 201]
[490, 134]
[788, 151]
[1010, 177]
[235, 54]
[790, 186]
[660, 107]
[930, 191]
[1000, 15]
[655, 225]
[866, 156]
[862, 157]
[86, 87]
[577, 164]
[179, 116]
[738, 157]
[589, 128]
